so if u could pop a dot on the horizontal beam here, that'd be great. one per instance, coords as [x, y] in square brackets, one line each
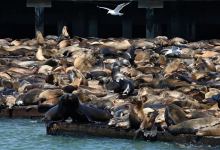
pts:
[133, 0]
[38, 3]
[150, 3]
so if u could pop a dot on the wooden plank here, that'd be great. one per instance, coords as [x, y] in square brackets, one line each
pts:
[150, 4]
[38, 3]
[75, 129]
[21, 112]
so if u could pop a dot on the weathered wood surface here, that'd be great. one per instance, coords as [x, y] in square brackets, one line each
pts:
[68, 129]
[21, 112]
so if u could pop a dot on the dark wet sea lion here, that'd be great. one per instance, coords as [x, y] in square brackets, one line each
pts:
[96, 74]
[108, 52]
[51, 114]
[125, 85]
[191, 104]
[174, 115]
[69, 88]
[51, 62]
[70, 106]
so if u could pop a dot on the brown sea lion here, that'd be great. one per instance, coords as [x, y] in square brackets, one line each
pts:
[137, 117]
[119, 44]
[16, 43]
[84, 62]
[22, 71]
[190, 104]
[45, 69]
[177, 41]
[172, 67]
[144, 44]
[39, 54]
[209, 131]
[39, 38]
[50, 97]
[64, 43]
[10, 101]
[193, 125]
[64, 33]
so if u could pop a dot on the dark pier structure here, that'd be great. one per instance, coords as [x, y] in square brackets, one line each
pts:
[73, 129]
[190, 19]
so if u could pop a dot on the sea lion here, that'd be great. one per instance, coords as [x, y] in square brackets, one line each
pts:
[29, 98]
[10, 101]
[174, 115]
[84, 62]
[193, 125]
[209, 131]
[190, 104]
[125, 85]
[177, 41]
[64, 34]
[52, 114]
[120, 119]
[70, 106]
[141, 121]
[64, 43]
[45, 69]
[118, 45]
[137, 117]
[39, 54]
[144, 44]
[39, 38]
[172, 67]
[50, 97]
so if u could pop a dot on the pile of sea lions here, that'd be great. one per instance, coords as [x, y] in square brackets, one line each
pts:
[146, 85]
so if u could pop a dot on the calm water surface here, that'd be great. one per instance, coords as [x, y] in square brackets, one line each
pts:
[24, 134]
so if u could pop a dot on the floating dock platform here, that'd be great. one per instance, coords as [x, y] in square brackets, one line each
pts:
[73, 129]
[21, 112]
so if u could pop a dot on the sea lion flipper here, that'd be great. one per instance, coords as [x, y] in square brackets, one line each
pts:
[152, 134]
[136, 133]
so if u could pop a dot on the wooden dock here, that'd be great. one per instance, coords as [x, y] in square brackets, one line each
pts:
[69, 129]
[21, 112]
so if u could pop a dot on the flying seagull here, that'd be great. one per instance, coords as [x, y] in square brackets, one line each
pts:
[116, 11]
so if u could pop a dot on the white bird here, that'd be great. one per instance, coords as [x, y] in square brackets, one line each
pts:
[116, 11]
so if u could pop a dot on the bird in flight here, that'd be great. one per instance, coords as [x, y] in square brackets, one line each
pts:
[116, 11]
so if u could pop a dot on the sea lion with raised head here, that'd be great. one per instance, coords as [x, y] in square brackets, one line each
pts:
[70, 106]
[174, 115]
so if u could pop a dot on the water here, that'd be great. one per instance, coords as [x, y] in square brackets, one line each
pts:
[24, 134]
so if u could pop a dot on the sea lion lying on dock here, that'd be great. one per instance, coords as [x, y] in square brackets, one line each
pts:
[192, 126]
[70, 106]
[174, 115]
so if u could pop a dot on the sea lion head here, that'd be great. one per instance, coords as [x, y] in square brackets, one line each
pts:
[39, 37]
[64, 31]
[68, 103]
[135, 101]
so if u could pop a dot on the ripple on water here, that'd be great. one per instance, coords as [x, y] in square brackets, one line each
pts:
[24, 134]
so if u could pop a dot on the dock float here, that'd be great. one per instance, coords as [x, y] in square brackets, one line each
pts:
[75, 129]
[21, 112]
